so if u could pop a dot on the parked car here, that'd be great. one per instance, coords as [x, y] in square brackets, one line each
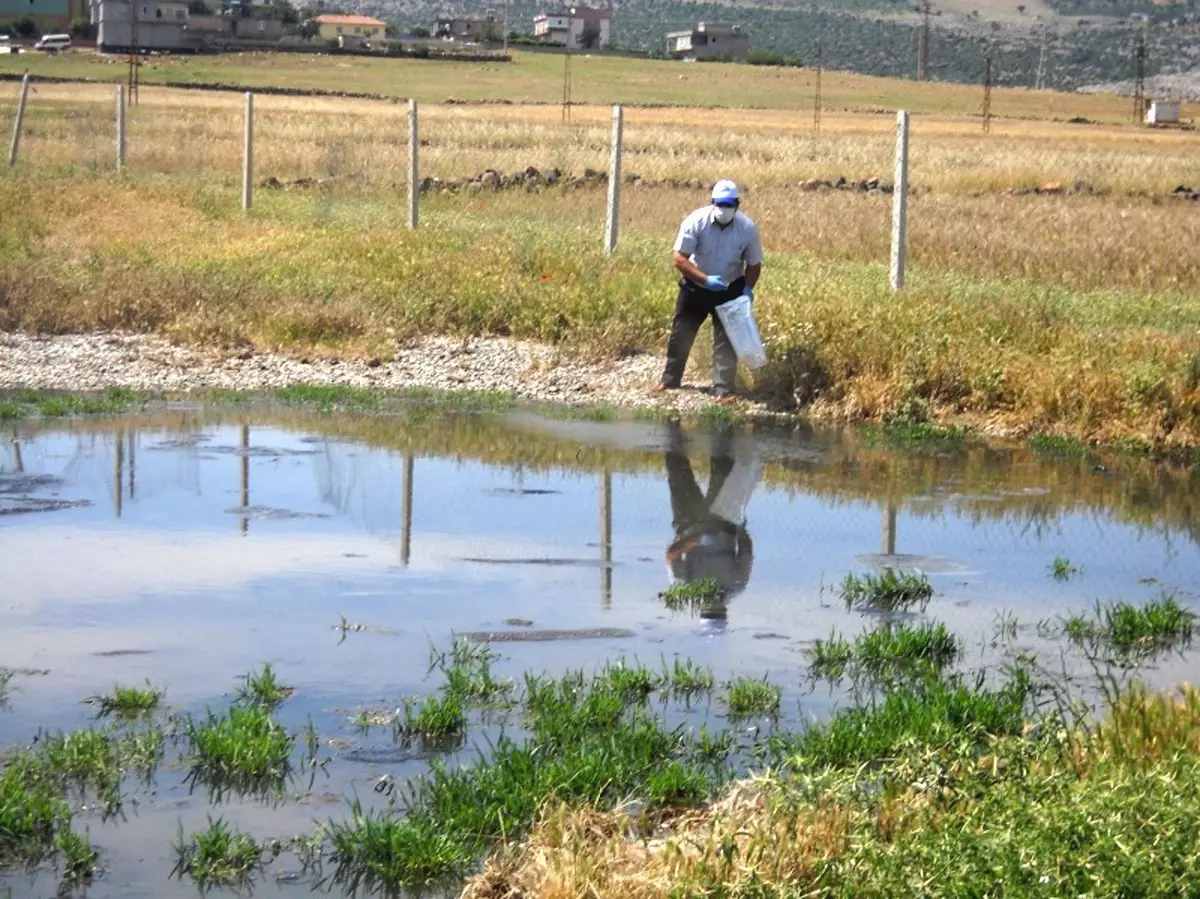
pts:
[7, 46]
[53, 43]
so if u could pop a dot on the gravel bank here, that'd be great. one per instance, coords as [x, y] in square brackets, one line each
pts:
[532, 371]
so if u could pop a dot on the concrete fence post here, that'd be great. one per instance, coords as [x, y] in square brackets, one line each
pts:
[120, 127]
[612, 221]
[248, 156]
[900, 202]
[414, 147]
[16, 135]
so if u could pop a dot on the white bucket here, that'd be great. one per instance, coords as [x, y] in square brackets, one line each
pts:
[738, 318]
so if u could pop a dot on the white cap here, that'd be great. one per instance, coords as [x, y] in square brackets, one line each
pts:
[724, 192]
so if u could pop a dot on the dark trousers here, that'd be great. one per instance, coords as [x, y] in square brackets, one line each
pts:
[692, 307]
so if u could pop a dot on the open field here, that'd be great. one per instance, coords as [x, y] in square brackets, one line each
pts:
[1071, 313]
[537, 78]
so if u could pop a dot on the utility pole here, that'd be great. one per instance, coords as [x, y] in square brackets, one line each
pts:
[1040, 81]
[1139, 83]
[566, 97]
[134, 63]
[923, 41]
[987, 95]
[817, 94]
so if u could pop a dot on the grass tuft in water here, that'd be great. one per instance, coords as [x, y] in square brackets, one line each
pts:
[328, 397]
[886, 592]
[467, 669]
[10, 411]
[262, 688]
[1057, 445]
[631, 684]
[1061, 569]
[1131, 630]
[89, 760]
[693, 594]
[217, 856]
[243, 750]
[435, 722]
[127, 702]
[78, 860]
[747, 697]
[894, 650]
[687, 679]
[54, 404]
[830, 658]
[32, 810]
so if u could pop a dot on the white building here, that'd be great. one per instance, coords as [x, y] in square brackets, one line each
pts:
[709, 40]
[577, 27]
[160, 24]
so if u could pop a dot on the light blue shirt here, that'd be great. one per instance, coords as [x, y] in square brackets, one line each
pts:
[716, 250]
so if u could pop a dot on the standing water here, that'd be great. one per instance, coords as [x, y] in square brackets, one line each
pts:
[186, 549]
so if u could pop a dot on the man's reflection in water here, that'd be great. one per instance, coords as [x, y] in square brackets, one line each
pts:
[711, 539]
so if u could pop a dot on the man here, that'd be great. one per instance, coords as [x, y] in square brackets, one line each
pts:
[719, 255]
[711, 539]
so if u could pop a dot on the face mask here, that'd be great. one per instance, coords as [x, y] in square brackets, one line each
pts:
[725, 214]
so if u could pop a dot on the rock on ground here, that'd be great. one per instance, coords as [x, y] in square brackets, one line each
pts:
[532, 371]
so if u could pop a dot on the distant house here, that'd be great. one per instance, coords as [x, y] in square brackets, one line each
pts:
[487, 29]
[141, 24]
[709, 40]
[577, 27]
[49, 15]
[331, 27]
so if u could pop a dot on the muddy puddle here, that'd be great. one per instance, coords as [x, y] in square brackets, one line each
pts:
[186, 548]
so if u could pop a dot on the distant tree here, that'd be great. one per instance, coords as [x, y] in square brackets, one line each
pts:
[589, 38]
[81, 29]
[285, 12]
[419, 31]
[25, 26]
[309, 28]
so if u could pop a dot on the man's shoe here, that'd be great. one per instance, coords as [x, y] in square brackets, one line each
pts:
[726, 399]
[662, 388]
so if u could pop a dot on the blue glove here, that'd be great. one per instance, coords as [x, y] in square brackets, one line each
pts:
[748, 293]
[716, 282]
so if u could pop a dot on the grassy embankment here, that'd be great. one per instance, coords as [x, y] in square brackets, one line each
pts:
[1071, 314]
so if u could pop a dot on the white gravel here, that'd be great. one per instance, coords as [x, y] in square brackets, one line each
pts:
[532, 371]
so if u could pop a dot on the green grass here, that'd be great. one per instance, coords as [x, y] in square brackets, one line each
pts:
[886, 592]
[11, 410]
[932, 712]
[127, 702]
[467, 669]
[58, 404]
[217, 856]
[77, 857]
[263, 689]
[435, 721]
[330, 397]
[1058, 446]
[747, 697]
[242, 751]
[687, 679]
[887, 652]
[693, 594]
[31, 813]
[1061, 569]
[1131, 631]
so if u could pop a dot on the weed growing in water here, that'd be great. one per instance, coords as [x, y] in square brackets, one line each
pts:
[263, 689]
[85, 759]
[631, 684]
[467, 668]
[747, 697]
[886, 652]
[328, 397]
[886, 592]
[58, 405]
[217, 856]
[830, 658]
[1057, 446]
[244, 751]
[439, 721]
[687, 679]
[1132, 631]
[31, 811]
[78, 859]
[1061, 569]
[11, 410]
[127, 702]
[693, 594]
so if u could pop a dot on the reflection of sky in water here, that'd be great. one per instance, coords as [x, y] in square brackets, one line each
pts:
[175, 579]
